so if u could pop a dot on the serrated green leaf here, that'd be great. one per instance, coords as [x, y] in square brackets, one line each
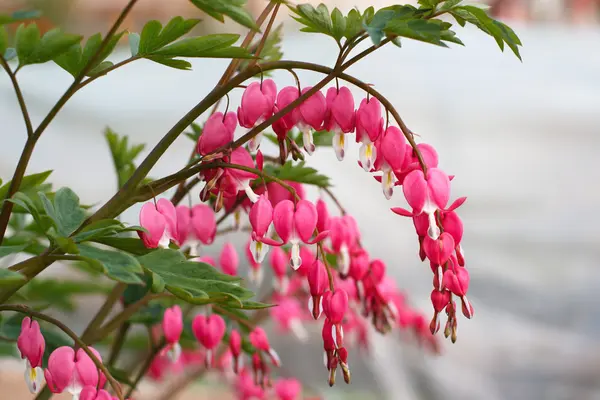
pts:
[215, 45]
[51, 45]
[26, 41]
[171, 62]
[66, 244]
[97, 229]
[8, 277]
[449, 4]
[339, 24]
[298, 173]
[249, 305]
[62, 294]
[417, 29]
[231, 8]
[155, 37]
[117, 265]
[70, 60]
[195, 282]
[131, 245]
[28, 182]
[69, 214]
[353, 24]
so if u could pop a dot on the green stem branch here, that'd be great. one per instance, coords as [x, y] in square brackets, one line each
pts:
[25, 310]
[13, 78]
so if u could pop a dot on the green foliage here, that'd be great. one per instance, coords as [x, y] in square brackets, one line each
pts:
[116, 265]
[75, 59]
[194, 135]
[271, 50]
[65, 212]
[31, 49]
[61, 294]
[161, 45]
[501, 32]
[8, 277]
[29, 182]
[230, 8]
[194, 282]
[123, 154]
[131, 245]
[3, 40]
[320, 139]
[19, 16]
[298, 173]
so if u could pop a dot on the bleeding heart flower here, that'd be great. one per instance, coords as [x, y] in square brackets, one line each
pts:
[257, 106]
[288, 316]
[288, 389]
[235, 347]
[217, 132]
[31, 344]
[318, 282]
[209, 332]
[285, 97]
[70, 371]
[261, 216]
[160, 220]
[340, 117]
[258, 339]
[172, 325]
[229, 259]
[312, 113]
[369, 126]
[392, 154]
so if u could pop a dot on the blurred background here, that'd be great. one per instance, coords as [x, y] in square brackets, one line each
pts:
[521, 138]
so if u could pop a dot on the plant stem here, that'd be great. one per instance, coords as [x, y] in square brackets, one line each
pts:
[335, 200]
[103, 312]
[25, 310]
[20, 99]
[265, 35]
[106, 71]
[118, 342]
[34, 136]
[153, 353]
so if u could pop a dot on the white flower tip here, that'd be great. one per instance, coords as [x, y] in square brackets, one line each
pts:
[253, 197]
[174, 353]
[275, 357]
[34, 377]
[334, 336]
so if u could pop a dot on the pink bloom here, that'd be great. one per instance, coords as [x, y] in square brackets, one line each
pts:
[278, 193]
[439, 300]
[288, 315]
[258, 339]
[318, 281]
[90, 393]
[31, 344]
[369, 126]
[308, 258]
[344, 235]
[209, 331]
[235, 347]
[256, 106]
[217, 132]
[229, 259]
[184, 223]
[160, 220]
[240, 156]
[456, 280]
[340, 117]
[278, 260]
[283, 125]
[71, 372]
[411, 162]
[312, 112]
[294, 225]
[204, 223]
[261, 216]
[335, 306]
[288, 389]
[426, 195]
[247, 389]
[359, 265]
[172, 326]
[439, 252]
[323, 221]
[392, 153]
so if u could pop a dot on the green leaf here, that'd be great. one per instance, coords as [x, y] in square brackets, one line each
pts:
[10, 54]
[298, 173]
[66, 244]
[130, 245]
[123, 154]
[27, 204]
[3, 40]
[339, 24]
[62, 294]
[120, 375]
[171, 62]
[320, 139]
[499, 31]
[449, 4]
[8, 277]
[33, 50]
[375, 28]
[418, 29]
[250, 305]
[21, 15]
[195, 282]
[97, 229]
[28, 182]
[26, 41]
[6, 250]
[230, 8]
[155, 37]
[215, 46]
[196, 132]
[69, 213]
[117, 265]
[353, 24]
[315, 20]
[134, 43]
[74, 60]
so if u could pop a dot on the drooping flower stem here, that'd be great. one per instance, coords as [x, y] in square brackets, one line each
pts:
[78, 341]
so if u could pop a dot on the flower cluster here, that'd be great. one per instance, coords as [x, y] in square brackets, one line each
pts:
[331, 272]
[68, 370]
